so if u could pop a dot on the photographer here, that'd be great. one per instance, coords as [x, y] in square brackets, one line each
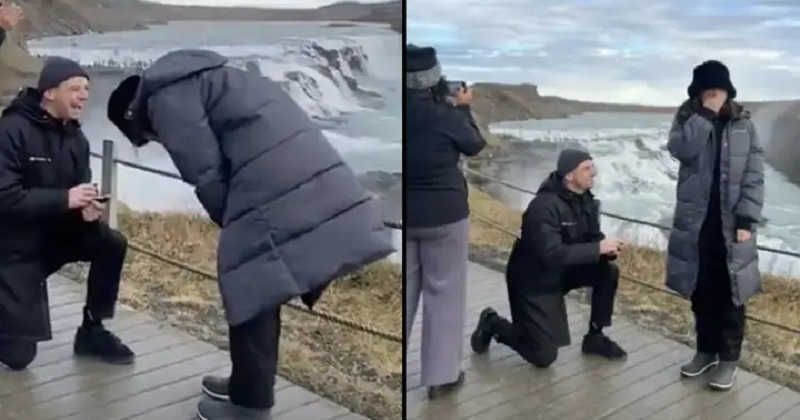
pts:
[439, 128]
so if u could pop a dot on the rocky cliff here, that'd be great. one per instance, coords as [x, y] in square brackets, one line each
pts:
[68, 17]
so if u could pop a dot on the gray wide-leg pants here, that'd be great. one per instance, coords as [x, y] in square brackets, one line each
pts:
[436, 271]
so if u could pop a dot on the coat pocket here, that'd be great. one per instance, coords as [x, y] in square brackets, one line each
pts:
[744, 269]
[244, 239]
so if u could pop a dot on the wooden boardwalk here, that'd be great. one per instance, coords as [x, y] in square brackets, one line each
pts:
[499, 385]
[163, 383]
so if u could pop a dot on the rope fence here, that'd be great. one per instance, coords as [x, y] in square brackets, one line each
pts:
[634, 280]
[108, 187]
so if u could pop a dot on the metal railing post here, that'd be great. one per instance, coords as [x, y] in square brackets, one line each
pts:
[108, 184]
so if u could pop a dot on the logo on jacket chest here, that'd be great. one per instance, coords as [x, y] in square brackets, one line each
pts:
[39, 159]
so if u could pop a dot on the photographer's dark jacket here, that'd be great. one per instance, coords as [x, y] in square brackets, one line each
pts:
[40, 160]
[292, 212]
[436, 135]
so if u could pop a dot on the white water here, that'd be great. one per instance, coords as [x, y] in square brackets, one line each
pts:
[312, 61]
[637, 178]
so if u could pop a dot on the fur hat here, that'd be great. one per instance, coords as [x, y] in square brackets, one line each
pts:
[712, 74]
[423, 70]
[118, 110]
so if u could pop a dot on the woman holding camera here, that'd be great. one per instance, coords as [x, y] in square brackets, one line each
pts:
[439, 128]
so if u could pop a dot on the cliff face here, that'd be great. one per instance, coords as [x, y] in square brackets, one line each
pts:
[495, 102]
[779, 130]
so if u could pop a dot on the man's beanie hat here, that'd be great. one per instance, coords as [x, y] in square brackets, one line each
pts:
[423, 70]
[569, 159]
[57, 70]
[711, 74]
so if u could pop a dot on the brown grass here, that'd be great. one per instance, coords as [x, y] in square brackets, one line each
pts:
[354, 369]
[768, 351]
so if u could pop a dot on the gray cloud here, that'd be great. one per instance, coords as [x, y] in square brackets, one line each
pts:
[614, 50]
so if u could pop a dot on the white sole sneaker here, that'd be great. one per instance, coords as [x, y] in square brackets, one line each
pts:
[705, 369]
[214, 395]
[725, 386]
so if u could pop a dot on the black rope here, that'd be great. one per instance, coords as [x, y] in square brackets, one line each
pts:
[643, 283]
[614, 215]
[387, 223]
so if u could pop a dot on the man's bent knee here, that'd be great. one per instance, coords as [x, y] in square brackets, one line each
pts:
[17, 355]
[541, 358]
[115, 240]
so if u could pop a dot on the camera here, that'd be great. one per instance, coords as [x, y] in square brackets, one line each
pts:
[453, 87]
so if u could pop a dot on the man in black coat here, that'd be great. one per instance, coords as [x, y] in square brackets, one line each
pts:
[50, 216]
[292, 213]
[561, 248]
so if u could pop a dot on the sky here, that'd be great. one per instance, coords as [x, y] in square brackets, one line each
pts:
[630, 51]
[294, 4]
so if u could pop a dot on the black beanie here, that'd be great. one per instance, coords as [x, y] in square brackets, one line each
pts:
[569, 159]
[422, 67]
[711, 74]
[58, 69]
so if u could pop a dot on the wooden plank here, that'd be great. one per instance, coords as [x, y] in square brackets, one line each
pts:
[163, 383]
[501, 386]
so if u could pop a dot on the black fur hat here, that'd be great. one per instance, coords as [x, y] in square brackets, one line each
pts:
[712, 74]
[118, 110]
[422, 67]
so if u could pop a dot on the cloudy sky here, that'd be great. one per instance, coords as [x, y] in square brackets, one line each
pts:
[630, 51]
[259, 3]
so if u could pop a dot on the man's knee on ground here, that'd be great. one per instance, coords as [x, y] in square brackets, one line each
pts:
[17, 355]
[542, 357]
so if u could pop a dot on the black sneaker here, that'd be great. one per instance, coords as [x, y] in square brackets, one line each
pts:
[438, 391]
[601, 345]
[101, 343]
[208, 409]
[216, 387]
[482, 336]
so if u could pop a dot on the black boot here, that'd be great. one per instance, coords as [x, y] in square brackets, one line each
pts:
[96, 341]
[483, 334]
[209, 409]
[444, 389]
[601, 345]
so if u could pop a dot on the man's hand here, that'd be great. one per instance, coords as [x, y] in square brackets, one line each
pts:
[610, 246]
[743, 235]
[92, 212]
[463, 96]
[714, 100]
[10, 16]
[81, 196]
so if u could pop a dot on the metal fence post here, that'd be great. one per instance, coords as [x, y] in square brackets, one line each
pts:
[108, 184]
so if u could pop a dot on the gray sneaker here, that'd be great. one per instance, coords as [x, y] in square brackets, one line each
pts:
[209, 409]
[700, 363]
[723, 376]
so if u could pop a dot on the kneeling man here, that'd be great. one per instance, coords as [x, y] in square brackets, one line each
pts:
[50, 216]
[560, 248]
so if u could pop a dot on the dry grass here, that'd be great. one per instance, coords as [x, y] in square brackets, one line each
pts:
[769, 351]
[356, 370]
